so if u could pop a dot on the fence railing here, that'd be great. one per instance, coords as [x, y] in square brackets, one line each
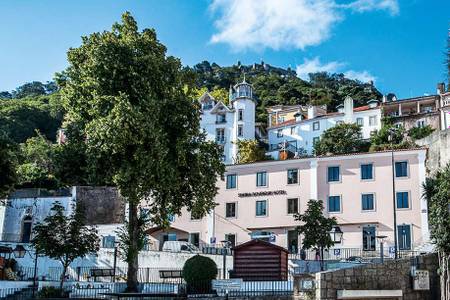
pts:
[351, 254]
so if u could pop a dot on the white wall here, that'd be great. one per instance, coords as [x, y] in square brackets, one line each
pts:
[304, 133]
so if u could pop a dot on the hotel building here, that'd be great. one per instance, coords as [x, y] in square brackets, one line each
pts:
[259, 200]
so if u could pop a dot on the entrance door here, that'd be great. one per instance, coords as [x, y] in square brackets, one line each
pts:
[369, 238]
[292, 241]
[404, 237]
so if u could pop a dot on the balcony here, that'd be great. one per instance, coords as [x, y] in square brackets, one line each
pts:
[221, 121]
[220, 141]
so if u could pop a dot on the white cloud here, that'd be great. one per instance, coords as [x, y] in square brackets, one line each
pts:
[362, 76]
[368, 5]
[314, 65]
[277, 24]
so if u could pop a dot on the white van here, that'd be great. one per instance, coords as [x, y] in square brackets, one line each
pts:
[179, 246]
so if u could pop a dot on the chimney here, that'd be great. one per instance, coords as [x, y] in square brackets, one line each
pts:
[440, 88]
[311, 112]
[348, 109]
[384, 99]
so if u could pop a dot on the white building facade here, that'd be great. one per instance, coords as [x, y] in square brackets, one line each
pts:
[297, 128]
[226, 124]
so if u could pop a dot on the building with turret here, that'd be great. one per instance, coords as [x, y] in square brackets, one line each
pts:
[226, 123]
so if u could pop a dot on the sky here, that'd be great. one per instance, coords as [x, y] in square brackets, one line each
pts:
[399, 44]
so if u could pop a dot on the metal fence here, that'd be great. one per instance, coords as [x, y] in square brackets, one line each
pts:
[351, 254]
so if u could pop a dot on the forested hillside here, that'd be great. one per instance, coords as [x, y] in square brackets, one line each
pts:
[37, 106]
[282, 86]
[31, 107]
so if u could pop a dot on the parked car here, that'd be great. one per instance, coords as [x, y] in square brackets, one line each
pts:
[179, 246]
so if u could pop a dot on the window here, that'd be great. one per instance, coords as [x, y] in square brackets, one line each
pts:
[333, 174]
[194, 239]
[316, 139]
[334, 203]
[230, 210]
[373, 121]
[171, 218]
[292, 130]
[401, 169]
[292, 206]
[292, 176]
[421, 123]
[221, 118]
[261, 179]
[367, 171]
[316, 126]
[261, 208]
[402, 200]
[280, 133]
[369, 238]
[360, 121]
[240, 131]
[108, 241]
[169, 237]
[231, 181]
[26, 229]
[231, 238]
[404, 237]
[292, 239]
[240, 115]
[367, 202]
[220, 135]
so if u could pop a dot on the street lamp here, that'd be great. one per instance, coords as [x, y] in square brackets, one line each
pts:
[336, 234]
[381, 240]
[226, 246]
[19, 251]
[391, 140]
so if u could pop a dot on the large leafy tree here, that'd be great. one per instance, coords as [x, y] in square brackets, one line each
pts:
[436, 190]
[315, 227]
[132, 107]
[340, 139]
[65, 237]
[8, 177]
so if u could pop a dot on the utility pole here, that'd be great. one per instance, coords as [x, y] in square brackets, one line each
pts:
[391, 138]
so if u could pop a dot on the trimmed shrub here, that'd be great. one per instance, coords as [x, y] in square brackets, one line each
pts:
[52, 292]
[420, 132]
[198, 272]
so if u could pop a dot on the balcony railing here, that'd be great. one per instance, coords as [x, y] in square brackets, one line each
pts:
[446, 101]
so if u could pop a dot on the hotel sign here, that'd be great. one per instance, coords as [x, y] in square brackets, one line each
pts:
[262, 193]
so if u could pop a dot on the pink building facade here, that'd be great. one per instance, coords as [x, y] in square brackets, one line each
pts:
[259, 200]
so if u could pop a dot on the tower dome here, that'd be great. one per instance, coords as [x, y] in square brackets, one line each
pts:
[242, 90]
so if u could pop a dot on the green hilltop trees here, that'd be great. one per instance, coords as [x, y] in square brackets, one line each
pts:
[131, 106]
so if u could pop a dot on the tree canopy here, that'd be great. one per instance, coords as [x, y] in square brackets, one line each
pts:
[8, 177]
[315, 227]
[132, 107]
[341, 139]
[65, 237]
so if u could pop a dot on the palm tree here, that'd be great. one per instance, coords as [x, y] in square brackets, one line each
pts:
[436, 190]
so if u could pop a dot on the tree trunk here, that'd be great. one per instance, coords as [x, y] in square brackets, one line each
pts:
[62, 278]
[132, 281]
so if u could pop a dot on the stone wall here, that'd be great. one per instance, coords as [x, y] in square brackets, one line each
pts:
[391, 275]
[103, 205]
[438, 144]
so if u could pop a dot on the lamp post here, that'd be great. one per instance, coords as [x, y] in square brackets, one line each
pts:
[336, 237]
[226, 246]
[19, 252]
[391, 140]
[381, 240]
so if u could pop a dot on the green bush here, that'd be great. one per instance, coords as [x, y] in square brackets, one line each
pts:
[420, 132]
[198, 272]
[52, 292]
